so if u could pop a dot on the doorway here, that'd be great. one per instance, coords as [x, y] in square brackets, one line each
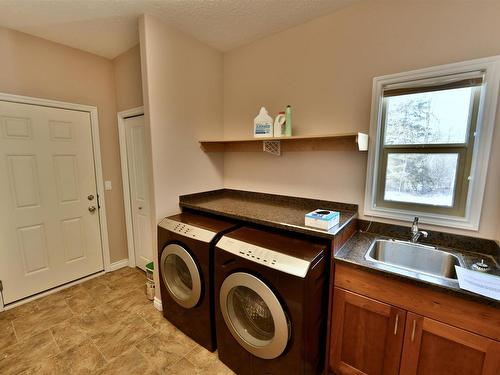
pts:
[136, 186]
[53, 225]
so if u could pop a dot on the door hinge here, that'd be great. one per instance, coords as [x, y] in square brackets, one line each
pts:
[1, 286]
[98, 203]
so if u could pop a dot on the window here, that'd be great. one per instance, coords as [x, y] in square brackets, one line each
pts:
[429, 142]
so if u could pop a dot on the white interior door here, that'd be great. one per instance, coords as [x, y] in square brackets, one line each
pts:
[49, 231]
[138, 172]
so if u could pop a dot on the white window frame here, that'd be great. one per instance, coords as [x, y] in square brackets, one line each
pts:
[481, 151]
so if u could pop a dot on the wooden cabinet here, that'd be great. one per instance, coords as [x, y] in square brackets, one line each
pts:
[371, 337]
[384, 326]
[367, 335]
[431, 347]
[480, 318]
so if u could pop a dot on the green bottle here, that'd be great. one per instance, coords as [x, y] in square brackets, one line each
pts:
[288, 121]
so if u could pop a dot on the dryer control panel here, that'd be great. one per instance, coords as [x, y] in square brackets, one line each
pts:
[187, 230]
[267, 257]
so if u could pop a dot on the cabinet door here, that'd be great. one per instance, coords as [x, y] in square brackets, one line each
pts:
[431, 347]
[366, 336]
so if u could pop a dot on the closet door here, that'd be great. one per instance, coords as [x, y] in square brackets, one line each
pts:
[139, 178]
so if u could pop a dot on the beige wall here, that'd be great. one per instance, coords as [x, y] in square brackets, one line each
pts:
[35, 67]
[324, 69]
[182, 81]
[128, 81]
[182, 89]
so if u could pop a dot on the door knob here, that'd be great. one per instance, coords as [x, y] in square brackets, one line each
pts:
[92, 208]
[140, 208]
[90, 197]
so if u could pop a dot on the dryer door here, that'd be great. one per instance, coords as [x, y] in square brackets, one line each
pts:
[180, 275]
[254, 315]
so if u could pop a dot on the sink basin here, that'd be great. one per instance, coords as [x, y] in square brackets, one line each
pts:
[414, 257]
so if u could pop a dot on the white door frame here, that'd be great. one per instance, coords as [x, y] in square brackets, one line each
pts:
[96, 145]
[138, 111]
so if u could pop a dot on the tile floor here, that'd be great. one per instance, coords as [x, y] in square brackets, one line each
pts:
[103, 326]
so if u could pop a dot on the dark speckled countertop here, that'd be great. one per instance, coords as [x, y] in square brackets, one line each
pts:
[354, 250]
[277, 211]
[287, 213]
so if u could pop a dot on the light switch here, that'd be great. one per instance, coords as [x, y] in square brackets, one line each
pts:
[107, 185]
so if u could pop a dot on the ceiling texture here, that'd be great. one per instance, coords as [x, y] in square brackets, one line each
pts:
[109, 27]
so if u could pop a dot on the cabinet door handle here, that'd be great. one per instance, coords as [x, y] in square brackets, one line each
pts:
[413, 330]
[396, 324]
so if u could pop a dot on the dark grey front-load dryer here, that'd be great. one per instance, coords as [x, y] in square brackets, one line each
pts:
[185, 253]
[271, 308]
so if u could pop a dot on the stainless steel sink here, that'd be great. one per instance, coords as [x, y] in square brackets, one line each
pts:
[415, 257]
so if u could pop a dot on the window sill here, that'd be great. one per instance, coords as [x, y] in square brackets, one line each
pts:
[457, 222]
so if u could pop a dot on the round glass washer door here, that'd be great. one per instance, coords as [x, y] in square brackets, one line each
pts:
[254, 315]
[180, 275]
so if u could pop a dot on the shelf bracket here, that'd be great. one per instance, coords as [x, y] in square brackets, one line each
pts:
[272, 147]
[362, 141]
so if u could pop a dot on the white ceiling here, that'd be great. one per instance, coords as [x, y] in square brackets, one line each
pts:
[109, 27]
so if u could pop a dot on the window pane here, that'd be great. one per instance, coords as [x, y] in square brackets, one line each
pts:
[430, 117]
[421, 178]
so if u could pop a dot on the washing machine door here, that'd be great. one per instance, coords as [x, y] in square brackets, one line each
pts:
[180, 275]
[254, 315]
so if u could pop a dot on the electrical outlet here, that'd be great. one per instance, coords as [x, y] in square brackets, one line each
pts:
[107, 185]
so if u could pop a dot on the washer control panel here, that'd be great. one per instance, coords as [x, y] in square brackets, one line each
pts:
[187, 230]
[269, 258]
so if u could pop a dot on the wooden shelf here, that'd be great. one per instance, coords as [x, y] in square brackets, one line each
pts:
[345, 141]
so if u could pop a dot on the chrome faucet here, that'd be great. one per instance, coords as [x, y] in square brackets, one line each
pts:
[415, 232]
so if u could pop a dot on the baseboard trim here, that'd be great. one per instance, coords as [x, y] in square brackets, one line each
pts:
[157, 304]
[117, 265]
